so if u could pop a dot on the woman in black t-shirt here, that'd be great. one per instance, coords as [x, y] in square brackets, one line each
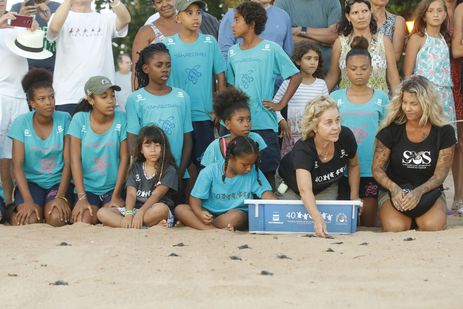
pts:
[414, 150]
[318, 160]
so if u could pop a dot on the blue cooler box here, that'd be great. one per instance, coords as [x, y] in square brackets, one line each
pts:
[289, 216]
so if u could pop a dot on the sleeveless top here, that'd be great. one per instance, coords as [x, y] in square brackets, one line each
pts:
[378, 60]
[159, 37]
[388, 27]
[433, 61]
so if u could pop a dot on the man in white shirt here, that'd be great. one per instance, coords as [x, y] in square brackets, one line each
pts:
[83, 47]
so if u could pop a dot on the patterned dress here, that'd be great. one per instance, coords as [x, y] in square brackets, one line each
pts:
[388, 27]
[159, 37]
[378, 60]
[433, 62]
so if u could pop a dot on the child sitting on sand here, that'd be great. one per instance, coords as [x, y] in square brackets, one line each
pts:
[217, 199]
[151, 181]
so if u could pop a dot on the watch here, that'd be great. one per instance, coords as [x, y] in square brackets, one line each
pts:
[303, 31]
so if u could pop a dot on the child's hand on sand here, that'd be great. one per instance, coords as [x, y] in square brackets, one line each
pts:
[126, 222]
[79, 209]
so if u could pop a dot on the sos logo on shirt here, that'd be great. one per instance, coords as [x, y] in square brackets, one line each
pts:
[416, 159]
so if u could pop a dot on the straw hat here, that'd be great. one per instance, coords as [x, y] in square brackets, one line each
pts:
[29, 44]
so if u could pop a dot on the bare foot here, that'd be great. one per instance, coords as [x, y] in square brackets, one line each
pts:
[229, 227]
[178, 224]
[163, 223]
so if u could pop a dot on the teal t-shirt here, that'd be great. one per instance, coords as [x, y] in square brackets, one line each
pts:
[171, 112]
[193, 69]
[363, 120]
[43, 158]
[219, 197]
[100, 152]
[254, 71]
[212, 154]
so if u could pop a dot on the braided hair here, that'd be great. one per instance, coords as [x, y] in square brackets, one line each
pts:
[242, 145]
[145, 55]
[154, 134]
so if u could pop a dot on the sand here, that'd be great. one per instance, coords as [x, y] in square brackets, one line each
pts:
[114, 268]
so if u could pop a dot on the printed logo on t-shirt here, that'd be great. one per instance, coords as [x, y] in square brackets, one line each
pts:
[266, 47]
[170, 41]
[379, 102]
[416, 160]
[27, 133]
[207, 39]
[343, 154]
[167, 125]
[140, 98]
[180, 94]
[118, 127]
[360, 134]
[47, 165]
[246, 79]
[231, 53]
[59, 129]
[83, 130]
[330, 176]
[87, 32]
[193, 74]
[100, 165]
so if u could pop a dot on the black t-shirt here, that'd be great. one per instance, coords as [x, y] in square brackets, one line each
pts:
[304, 156]
[414, 163]
[145, 186]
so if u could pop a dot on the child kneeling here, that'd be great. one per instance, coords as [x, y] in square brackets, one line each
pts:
[217, 199]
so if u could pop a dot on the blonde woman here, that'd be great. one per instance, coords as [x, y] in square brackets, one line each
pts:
[313, 168]
[413, 155]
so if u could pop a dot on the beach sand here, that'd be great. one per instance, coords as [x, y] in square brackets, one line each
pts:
[103, 267]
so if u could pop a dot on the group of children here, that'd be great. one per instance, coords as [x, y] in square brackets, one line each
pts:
[132, 169]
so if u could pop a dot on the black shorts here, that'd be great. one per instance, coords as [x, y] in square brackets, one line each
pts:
[368, 188]
[203, 135]
[270, 156]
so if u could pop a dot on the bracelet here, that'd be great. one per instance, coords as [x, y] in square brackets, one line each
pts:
[81, 196]
[116, 5]
[129, 212]
[63, 198]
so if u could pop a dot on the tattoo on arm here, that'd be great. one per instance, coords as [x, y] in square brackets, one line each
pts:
[380, 161]
[444, 163]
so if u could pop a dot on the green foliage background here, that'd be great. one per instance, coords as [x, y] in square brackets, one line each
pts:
[140, 10]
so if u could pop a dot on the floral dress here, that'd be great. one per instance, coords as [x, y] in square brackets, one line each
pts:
[388, 27]
[378, 60]
[433, 62]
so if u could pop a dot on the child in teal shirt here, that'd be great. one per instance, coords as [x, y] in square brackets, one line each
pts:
[196, 65]
[41, 156]
[99, 154]
[252, 67]
[217, 199]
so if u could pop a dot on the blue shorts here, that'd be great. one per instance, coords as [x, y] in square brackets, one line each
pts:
[40, 196]
[270, 156]
[95, 199]
[203, 135]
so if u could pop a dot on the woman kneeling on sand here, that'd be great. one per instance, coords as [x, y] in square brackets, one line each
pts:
[413, 155]
[316, 164]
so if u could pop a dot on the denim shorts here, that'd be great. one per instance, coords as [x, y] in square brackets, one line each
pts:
[40, 196]
[203, 135]
[2, 211]
[95, 199]
[270, 156]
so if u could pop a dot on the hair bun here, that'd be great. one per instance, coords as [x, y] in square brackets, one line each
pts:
[360, 42]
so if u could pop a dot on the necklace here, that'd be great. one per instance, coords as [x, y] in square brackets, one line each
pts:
[326, 154]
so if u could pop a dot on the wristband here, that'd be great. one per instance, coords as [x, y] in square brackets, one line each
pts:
[116, 5]
[129, 212]
[63, 198]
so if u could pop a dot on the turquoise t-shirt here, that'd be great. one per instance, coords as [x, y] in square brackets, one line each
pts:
[219, 197]
[254, 71]
[100, 152]
[363, 120]
[212, 154]
[193, 69]
[43, 158]
[171, 112]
